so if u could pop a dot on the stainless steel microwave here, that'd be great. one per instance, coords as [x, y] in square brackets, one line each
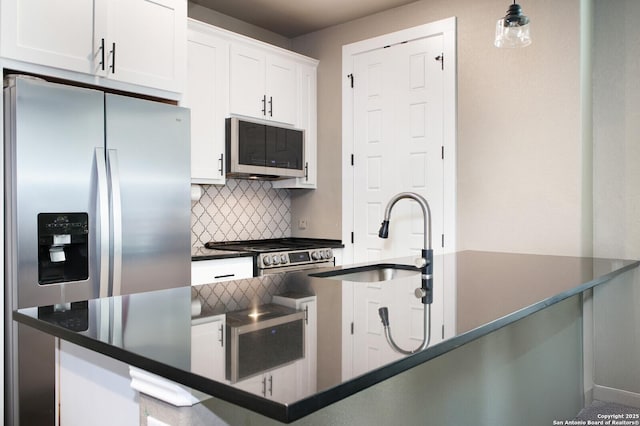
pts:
[260, 150]
[262, 338]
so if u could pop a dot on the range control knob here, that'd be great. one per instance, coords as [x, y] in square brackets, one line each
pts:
[315, 255]
[266, 259]
[276, 259]
[328, 254]
[283, 259]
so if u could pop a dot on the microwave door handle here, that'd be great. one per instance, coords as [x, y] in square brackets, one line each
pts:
[103, 211]
[116, 203]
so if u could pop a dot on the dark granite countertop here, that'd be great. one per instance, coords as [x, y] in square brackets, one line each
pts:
[484, 291]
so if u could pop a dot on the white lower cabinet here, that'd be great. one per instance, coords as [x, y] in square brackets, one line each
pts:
[218, 270]
[278, 384]
[93, 388]
[207, 347]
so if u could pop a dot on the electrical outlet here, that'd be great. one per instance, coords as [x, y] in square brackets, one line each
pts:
[303, 223]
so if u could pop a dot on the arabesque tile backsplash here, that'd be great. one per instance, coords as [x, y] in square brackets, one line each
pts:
[240, 210]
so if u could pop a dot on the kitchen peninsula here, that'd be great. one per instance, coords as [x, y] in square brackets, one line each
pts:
[526, 304]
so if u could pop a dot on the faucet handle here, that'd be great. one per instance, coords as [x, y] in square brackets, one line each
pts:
[420, 262]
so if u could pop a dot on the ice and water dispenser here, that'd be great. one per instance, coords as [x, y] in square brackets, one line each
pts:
[63, 247]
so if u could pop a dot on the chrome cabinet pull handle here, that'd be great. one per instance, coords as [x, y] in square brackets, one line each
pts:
[264, 105]
[221, 164]
[270, 106]
[306, 171]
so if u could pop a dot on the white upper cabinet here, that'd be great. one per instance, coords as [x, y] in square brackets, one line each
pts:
[262, 84]
[140, 42]
[207, 95]
[147, 42]
[306, 118]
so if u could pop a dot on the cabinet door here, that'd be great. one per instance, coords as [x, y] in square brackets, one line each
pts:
[146, 42]
[306, 375]
[306, 119]
[207, 95]
[247, 81]
[282, 384]
[207, 349]
[55, 34]
[280, 89]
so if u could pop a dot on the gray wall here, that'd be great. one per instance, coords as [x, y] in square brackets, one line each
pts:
[616, 177]
[520, 153]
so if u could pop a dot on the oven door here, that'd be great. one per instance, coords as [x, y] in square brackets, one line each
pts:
[293, 268]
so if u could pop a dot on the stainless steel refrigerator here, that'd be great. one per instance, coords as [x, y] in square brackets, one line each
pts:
[97, 204]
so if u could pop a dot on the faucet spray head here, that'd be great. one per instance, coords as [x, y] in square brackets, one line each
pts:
[384, 316]
[384, 229]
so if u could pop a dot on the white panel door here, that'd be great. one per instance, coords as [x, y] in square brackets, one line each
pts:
[370, 347]
[397, 146]
[398, 138]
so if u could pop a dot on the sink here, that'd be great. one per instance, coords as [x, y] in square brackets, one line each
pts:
[371, 273]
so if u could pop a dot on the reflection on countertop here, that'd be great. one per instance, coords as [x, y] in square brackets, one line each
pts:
[478, 293]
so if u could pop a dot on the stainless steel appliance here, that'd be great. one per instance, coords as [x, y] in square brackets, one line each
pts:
[282, 254]
[97, 204]
[260, 150]
[262, 338]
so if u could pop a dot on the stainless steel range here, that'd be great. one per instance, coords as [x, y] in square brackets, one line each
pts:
[282, 254]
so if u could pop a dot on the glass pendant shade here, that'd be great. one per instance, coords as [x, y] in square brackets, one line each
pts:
[513, 30]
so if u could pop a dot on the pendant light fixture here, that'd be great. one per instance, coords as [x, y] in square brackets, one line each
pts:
[513, 29]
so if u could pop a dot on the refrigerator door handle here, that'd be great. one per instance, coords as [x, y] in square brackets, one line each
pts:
[103, 209]
[116, 224]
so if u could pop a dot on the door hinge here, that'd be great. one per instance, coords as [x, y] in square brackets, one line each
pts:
[350, 77]
[440, 58]
[351, 328]
[352, 159]
[352, 239]
[443, 240]
[442, 152]
[443, 331]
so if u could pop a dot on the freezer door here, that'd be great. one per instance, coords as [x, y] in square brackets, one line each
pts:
[52, 132]
[148, 163]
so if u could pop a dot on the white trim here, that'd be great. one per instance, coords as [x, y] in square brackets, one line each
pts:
[163, 389]
[447, 28]
[618, 396]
